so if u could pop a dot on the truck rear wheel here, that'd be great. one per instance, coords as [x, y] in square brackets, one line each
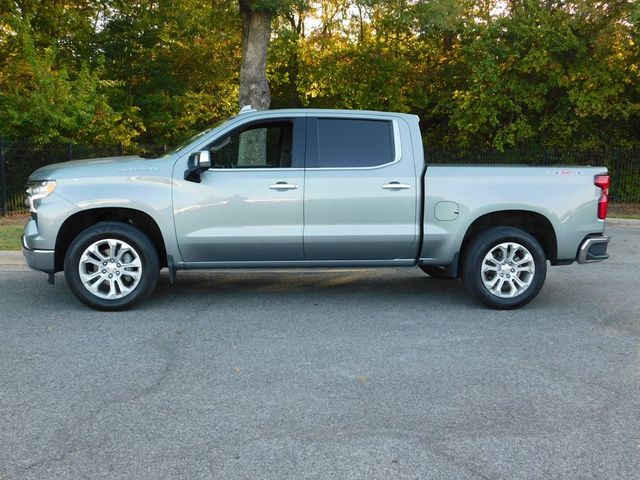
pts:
[111, 266]
[504, 267]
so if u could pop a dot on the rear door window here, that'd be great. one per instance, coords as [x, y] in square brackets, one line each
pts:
[348, 143]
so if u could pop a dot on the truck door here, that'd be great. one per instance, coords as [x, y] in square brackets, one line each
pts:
[360, 197]
[248, 205]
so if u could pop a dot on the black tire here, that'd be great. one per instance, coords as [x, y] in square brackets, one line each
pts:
[490, 240]
[138, 282]
[436, 272]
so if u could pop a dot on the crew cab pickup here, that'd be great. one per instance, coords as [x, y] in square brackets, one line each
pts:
[310, 188]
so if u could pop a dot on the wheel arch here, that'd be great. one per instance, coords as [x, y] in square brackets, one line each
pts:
[536, 224]
[84, 219]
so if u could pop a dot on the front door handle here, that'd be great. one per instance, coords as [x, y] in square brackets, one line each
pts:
[396, 186]
[283, 186]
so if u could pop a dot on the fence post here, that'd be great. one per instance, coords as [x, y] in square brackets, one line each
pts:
[70, 151]
[3, 181]
[617, 176]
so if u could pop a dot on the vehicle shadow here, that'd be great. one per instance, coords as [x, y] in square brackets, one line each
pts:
[368, 286]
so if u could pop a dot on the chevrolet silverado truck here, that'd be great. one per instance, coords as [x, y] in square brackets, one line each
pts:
[310, 188]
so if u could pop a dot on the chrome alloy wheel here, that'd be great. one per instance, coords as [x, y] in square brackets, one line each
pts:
[110, 269]
[508, 270]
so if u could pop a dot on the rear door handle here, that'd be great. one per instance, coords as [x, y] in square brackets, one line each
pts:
[283, 186]
[396, 186]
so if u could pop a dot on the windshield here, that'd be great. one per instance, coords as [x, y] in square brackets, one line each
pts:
[194, 138]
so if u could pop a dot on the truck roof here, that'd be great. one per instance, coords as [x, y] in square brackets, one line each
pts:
[324, 112]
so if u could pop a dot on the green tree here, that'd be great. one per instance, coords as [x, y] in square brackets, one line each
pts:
[176, 61]
[479, 73]
[546, 73]
[41, 98]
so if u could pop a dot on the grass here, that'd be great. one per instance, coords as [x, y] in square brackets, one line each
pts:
[625, 210]
[18, 220]
[10, 237]
[11, 226]
[11, 230]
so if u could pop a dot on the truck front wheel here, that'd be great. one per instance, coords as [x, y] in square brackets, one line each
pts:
[504, 267]
[111, 266]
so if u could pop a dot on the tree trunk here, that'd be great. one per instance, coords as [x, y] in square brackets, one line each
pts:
[256, 33]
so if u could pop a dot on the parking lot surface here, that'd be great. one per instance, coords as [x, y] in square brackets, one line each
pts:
[381, 373]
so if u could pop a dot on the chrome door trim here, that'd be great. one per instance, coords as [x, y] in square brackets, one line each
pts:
[260, 169]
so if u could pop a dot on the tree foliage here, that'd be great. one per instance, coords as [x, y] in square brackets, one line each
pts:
[479, 73]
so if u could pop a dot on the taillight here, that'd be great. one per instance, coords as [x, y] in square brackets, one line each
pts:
[603, 182]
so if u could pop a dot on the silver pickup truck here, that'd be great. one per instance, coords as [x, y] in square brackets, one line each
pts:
[310, 188]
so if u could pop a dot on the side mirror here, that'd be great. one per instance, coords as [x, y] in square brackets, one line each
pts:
[198, 163]
[202, 159]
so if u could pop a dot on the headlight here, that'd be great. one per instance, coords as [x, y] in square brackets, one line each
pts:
[37, 191]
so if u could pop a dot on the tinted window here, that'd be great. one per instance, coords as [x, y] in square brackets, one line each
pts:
[353, 143]
[266, 145]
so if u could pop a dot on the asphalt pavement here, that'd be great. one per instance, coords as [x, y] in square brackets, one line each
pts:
[318, 374]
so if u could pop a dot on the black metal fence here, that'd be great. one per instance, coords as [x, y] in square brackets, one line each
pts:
[19, 158]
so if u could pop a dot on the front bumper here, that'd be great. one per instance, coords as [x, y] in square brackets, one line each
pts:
[593, 249]
[42, 260]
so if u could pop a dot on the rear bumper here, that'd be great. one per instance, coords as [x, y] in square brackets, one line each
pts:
[593, 249]
[42, 260]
